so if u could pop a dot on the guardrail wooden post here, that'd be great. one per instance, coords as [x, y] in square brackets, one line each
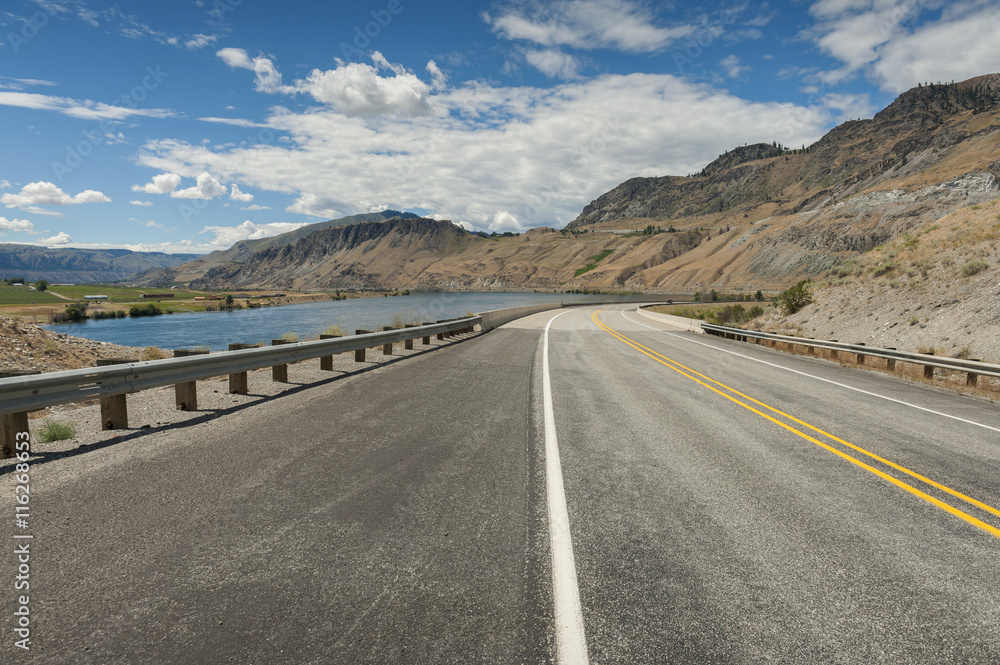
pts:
[13, 424]
[326, 362]
[427, 338]
[239, 383]
[387, 348]
[890, 363]
[114, 408]
[861, 356]
[441, 336]
[279, 373]
[359, 355]
[186, 394]
[408, 344]
[972, 379]
[928, 371]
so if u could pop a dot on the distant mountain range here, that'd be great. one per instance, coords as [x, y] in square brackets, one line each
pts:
[81, 266]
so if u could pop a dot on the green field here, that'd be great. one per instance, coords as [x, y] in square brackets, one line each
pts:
[22, 295]
[118, 294]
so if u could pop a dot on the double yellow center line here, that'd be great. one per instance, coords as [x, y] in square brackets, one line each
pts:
[752, 404]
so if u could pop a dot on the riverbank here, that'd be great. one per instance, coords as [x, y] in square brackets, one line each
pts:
[26, 347]
[43, 313]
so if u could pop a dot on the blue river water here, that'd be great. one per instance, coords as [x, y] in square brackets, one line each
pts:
[217, 330]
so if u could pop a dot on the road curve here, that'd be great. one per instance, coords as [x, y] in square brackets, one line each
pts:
[724, 503]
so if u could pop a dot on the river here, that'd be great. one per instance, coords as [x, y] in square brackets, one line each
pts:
[217, 330]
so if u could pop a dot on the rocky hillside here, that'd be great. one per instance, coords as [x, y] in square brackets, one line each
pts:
[936, 290]
[81, 266]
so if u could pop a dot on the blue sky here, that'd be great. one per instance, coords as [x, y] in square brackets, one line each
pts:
[187, 126]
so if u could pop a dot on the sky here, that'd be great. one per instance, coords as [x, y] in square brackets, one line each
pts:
[189, 125]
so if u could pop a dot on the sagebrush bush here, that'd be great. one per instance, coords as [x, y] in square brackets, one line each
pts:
[152, 353]
[974, 268]
[53, 431]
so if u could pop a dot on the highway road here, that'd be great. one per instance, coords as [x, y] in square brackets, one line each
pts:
[582, 484]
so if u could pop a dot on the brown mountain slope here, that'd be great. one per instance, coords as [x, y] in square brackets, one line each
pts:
[433, 254]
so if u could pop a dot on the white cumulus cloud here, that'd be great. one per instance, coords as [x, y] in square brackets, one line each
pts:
[61, 238]
[268, 76]
[161, 184]
[46, 193]
[894, 43]
[227, 236]
[206, 187]
[16, 225]
[236, 195]
[358, 89]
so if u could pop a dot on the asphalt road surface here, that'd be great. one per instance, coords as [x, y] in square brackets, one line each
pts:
[580, 484]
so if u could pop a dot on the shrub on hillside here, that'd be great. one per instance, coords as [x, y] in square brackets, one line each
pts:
[974, 268]
[794, 298]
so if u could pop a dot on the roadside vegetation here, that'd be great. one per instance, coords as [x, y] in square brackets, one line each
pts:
[723, 315]
[793, 299]
[55, 431]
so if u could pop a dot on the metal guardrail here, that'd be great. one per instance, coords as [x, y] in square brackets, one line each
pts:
[23, 394]
[31, 393]
[972, 367]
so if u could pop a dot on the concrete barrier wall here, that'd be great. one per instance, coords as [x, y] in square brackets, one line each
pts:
[498, 317]
[679, 322]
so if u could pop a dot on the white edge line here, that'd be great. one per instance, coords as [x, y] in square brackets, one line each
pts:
[571, 638]
[818, 378]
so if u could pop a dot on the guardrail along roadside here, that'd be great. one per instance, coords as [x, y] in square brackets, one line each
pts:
[972, 368]
[114, 379]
